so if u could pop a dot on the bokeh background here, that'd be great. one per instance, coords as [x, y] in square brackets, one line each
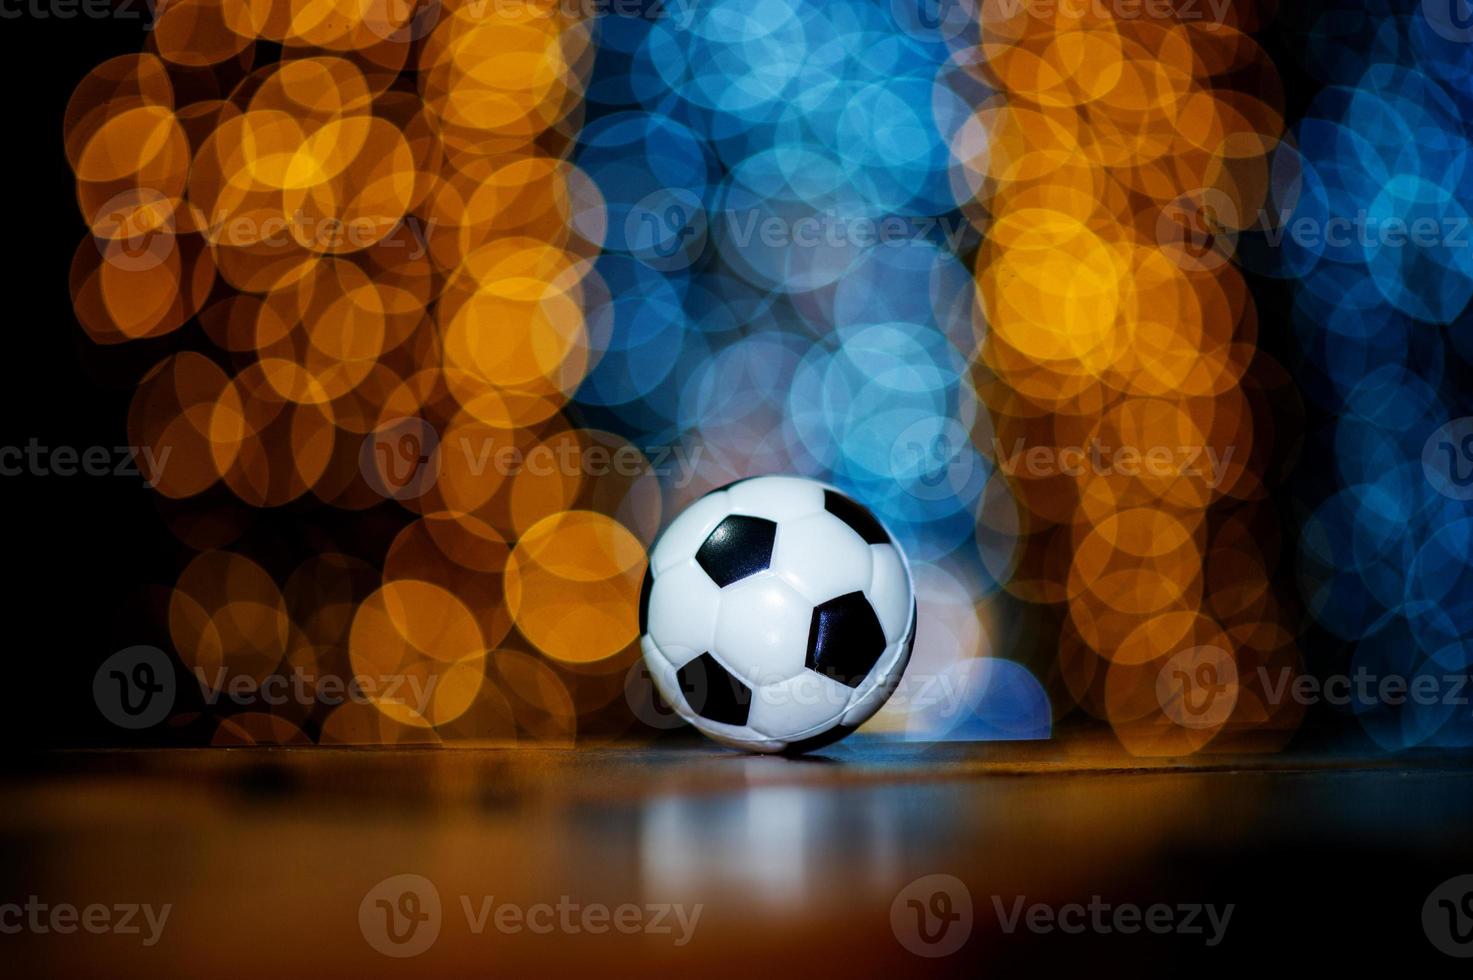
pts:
[426, 318]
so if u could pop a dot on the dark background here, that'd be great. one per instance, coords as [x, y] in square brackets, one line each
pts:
[92, 557]
[79, 547]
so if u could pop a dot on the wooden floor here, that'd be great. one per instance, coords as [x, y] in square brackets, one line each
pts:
[267, 857]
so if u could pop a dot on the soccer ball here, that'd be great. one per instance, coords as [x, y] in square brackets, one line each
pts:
[777, 614]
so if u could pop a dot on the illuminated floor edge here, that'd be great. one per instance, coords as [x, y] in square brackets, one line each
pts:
[267, 855]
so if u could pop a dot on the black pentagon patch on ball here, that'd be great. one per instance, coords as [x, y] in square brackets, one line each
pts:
[845, 639]
[740, 546]
[822, 740]
[644, 599]
[713, 693]
[859, 519]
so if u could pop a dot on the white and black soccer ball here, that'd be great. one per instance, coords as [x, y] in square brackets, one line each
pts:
[777, 614]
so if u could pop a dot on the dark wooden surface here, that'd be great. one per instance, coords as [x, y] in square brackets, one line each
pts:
[266, 854]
